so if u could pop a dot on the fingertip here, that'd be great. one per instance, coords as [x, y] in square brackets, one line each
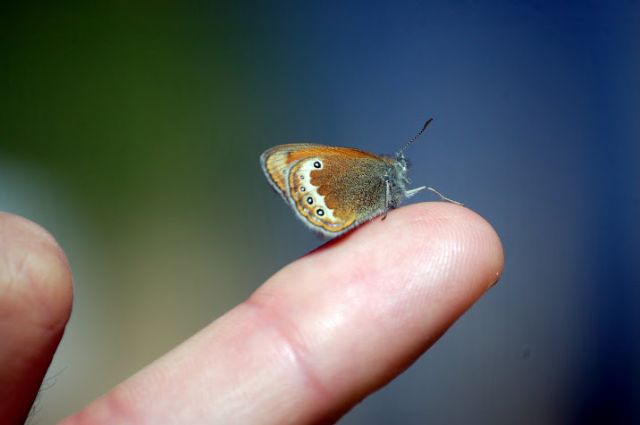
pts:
[477, 242]
[428, 237]
[35, 269]
[35, 304]
[465, 254]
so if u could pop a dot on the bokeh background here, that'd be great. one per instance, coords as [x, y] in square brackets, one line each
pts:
[132, 130]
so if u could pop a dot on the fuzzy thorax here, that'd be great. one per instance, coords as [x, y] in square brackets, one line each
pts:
[397, 180]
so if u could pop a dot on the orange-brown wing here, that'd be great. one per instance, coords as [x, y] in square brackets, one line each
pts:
[315, 180]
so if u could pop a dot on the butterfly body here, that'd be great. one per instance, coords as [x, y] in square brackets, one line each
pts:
[334, 189]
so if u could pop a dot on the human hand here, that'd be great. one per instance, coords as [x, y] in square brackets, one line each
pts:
[310, 343]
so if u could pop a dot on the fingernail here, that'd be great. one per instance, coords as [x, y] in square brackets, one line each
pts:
[492, 284]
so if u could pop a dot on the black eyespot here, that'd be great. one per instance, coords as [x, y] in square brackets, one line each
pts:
[303, 189]
[301, 176]
[320, 212]
[317, 164]
[309, 200]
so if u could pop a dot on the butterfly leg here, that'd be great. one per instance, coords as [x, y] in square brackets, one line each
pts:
[444, 198]
[387, 196]
[409, 193]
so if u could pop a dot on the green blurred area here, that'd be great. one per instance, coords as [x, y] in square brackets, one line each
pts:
[113, 96]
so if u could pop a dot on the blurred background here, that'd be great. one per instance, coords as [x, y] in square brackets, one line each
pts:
[132, 130]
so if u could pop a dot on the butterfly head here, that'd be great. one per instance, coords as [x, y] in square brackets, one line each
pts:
[401, 164]
[396, 179]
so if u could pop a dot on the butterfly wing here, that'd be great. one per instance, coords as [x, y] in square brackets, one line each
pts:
[331, 189]
[277, 161]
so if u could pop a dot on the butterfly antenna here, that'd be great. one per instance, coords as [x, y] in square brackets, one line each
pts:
[406, 145]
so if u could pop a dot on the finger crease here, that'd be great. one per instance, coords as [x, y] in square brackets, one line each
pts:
[287, 332]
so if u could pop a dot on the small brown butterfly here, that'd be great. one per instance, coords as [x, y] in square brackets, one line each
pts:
[334, 189]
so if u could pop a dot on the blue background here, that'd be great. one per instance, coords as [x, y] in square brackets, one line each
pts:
[132, 131]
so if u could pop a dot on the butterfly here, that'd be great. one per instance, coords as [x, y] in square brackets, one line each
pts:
[334, 189]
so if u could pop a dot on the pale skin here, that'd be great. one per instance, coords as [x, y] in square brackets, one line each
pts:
[315, 339]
